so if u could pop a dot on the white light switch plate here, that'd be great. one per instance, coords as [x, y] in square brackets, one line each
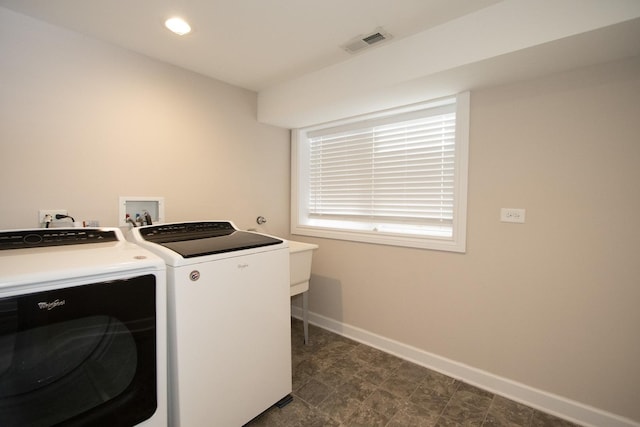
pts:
[512, 215]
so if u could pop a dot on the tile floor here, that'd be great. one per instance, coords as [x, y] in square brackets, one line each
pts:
[339, 382]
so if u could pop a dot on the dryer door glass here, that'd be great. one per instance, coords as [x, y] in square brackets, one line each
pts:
[82, 355]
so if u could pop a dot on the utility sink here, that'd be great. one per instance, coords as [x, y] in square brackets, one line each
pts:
[300, 256]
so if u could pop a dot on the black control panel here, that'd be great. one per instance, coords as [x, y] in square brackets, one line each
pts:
[186, 231]
[38, 238]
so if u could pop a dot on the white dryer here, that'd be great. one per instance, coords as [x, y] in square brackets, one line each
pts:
[229, 320]
[82, 330]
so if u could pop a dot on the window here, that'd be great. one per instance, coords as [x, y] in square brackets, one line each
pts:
[397, 177]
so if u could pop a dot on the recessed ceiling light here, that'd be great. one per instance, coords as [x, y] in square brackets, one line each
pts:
[178, 26]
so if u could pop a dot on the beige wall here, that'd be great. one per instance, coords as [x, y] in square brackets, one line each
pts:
[82, 123]
[552, 303]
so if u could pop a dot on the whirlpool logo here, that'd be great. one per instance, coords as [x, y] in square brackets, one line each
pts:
[51, 305]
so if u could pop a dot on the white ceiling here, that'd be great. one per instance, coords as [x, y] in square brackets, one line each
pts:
[249, 43]
[289, 51]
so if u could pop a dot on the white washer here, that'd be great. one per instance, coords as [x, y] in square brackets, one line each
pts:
[229, 320]
[82, 330]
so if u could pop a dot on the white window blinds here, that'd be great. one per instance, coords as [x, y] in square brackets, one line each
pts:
[397, 169]
[395, 177]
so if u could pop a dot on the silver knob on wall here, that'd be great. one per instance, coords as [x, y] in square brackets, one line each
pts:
[261, 220]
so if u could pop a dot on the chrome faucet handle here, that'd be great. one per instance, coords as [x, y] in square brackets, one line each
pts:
[261, 220]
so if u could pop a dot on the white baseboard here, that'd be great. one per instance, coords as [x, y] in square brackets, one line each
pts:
[544, 401]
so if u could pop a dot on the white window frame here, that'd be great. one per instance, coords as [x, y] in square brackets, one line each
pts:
[302, 224]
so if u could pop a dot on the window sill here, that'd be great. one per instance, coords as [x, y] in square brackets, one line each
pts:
[375, 237]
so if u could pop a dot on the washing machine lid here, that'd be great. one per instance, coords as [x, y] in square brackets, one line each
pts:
[194, 239]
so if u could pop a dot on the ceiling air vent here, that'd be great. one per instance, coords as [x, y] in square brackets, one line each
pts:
[362, 42]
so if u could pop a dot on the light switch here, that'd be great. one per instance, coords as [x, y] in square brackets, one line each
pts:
[512, 215]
